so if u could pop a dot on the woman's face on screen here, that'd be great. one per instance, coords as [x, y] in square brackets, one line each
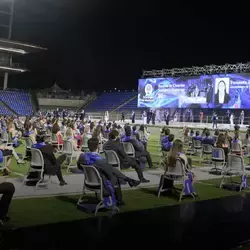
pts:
[221, 86]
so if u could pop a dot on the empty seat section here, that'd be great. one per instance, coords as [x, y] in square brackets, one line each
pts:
[130, 105]
[109, 101]
[18, 101]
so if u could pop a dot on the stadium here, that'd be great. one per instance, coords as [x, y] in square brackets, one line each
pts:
[172, 157]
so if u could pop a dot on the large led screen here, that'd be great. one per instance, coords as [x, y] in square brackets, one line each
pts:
[227, 91]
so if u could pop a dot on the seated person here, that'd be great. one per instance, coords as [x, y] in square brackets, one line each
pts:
[166, 146]
[197, 136]
[191, 133]
[207, 139]
[10, 151]
[236, 138]
[139, 151]
[165, 136]
[114, 144]
[134, 130]
[114, 175]
[177, 151]
[221, 143]
[51, 164]
[7, 190]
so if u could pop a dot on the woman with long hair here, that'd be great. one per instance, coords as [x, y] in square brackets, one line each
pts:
[175, 152]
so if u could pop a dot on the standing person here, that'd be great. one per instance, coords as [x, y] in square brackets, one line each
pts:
[133, 116]
[214, 120]
[144, 117]
[106, 116]
[166, 117]
[201, 116]
[228, 116]
[82, 116]
[241, 118]
[153, 117]
[149, 116]
[123, 117]
[231, 119]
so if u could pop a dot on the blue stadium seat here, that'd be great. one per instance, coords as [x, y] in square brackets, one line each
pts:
[17, 101]
[109, 101]
[130, 105]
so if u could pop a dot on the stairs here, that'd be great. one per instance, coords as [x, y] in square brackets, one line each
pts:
[129, 100]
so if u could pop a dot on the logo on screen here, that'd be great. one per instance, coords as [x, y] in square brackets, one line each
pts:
[148, 89]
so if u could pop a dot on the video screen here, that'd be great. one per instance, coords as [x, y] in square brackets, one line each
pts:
[227, 91]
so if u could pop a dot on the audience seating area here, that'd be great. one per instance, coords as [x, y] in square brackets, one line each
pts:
[109, 101]
[17, 101]
[131, 105]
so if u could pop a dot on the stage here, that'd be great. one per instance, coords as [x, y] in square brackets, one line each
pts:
[194, 125]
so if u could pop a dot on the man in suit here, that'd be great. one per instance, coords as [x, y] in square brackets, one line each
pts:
[112, 174]
[114, 144]
[51, 164]
[221, 97]
[140, 152]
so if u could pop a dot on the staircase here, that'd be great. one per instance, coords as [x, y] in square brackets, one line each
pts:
[129, 100]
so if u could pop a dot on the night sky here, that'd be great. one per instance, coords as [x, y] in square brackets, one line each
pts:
[102, 45]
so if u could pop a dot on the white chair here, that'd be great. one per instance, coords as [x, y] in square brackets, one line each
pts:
[55, 142]
[197, 147]
[129, 149]
[176, 173]
[29, 144]
[37, 166]
[207, 151]
[85, 147]
[3, 165]
[93, 182]
[112, 158]
[5, 139]
[69, 151]
[235, 166]
[218, 157]
[236, 148]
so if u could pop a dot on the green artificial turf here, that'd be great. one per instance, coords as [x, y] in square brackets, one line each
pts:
[37, 211]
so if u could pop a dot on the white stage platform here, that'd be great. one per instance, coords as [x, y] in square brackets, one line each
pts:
[194, 125]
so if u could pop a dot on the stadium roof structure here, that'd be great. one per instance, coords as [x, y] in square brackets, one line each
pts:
[194, 71]
[9, 48]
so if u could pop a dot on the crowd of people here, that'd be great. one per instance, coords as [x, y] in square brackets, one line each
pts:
[98, 136]
[90, 139]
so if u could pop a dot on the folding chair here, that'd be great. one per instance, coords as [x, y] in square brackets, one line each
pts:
[176, 173]
[29, 144]
[235, 166]
[197, 147]
[55, 142]
[93, 182]
[129, 149]
[207, 150]
[37, 166]
[218, 156]
[3, 165]
[85, 147]
[112, 158]
[236, 148]
[69, 151]
[5, 139]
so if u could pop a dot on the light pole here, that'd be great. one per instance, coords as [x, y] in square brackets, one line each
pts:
[10, 15]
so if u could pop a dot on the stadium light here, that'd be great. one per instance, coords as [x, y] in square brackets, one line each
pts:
[13, 69]
[18, 51]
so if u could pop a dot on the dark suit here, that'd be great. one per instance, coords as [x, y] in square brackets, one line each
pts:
[140, 152]
[125, 160]
[102, 165]
[208, 140]
[226, 98]
[51, 164]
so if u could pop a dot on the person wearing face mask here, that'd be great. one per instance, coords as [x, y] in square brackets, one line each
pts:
[114, 144]
[221, 97]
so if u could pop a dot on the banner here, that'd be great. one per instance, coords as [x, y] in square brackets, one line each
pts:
[227, 91]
